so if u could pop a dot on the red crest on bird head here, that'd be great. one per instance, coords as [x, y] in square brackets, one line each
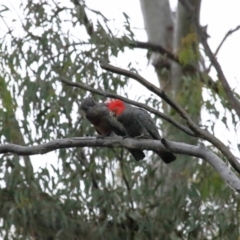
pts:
[116, 106]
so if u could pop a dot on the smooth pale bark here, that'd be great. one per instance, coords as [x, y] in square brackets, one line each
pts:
[158, 23]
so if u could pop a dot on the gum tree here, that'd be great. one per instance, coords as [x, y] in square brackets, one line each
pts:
[55, 54]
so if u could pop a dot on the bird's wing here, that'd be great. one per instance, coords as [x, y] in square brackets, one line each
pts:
[116, 126]
[147, 123]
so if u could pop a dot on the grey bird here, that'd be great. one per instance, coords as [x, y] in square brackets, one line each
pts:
[138, 123]
[105, 124]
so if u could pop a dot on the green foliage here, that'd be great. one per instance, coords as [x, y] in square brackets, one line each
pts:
[187, 54]
[91, 193]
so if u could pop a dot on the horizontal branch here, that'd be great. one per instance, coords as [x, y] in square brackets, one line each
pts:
[201, 133]
[111, 142]
[138, 104]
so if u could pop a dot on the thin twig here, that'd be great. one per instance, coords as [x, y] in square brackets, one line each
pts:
[126, 182]
[87, 23]
[225, 37]
[83, 160]
[230, 32]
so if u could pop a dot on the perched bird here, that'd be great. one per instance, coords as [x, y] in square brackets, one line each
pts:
[139, 124]
[99, 116]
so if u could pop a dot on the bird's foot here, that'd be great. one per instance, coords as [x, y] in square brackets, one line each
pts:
[142, 136]
[100, 136]
[89, 135]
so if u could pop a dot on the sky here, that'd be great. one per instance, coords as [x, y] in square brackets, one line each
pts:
[219, 15]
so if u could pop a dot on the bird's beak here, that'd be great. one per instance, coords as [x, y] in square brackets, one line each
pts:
[113, 114]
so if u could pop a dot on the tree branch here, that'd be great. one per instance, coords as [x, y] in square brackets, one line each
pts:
[223, 40]
[198, 151]
[83, 15]
[229, 93]
[110, 142]
[204, 153]
[158, 48]
[159, 92]
[138, 104]
[81, 157]
[126, 182]
[182, 113]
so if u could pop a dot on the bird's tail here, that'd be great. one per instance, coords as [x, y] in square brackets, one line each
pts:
[166, 156]
[137, 154]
